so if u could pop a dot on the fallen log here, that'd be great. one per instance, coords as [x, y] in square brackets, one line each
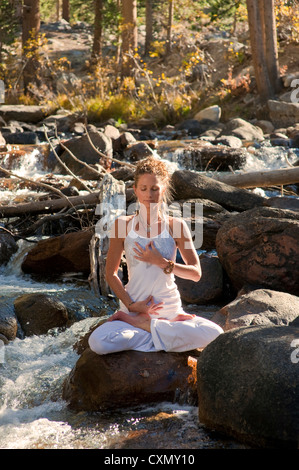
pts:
[48, 206]
[264, 179]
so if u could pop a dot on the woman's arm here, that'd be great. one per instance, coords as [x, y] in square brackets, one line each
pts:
[116, 248]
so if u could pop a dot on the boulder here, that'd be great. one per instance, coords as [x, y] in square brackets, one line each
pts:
[8, 325]
[22, 138]
[258, 307]
[248, 386]
[58, 255]
[244, 130]
[212, 113]
[22, 113]
[260, 247]
[130, 378]
[137, 151]
[209, 288]
[8, 247]
[230, 141]
[188, 184]
[282, 113]
[38, 313]
[83, 150]
[63, 121]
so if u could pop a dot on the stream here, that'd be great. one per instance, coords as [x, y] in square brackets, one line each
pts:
[32, 369]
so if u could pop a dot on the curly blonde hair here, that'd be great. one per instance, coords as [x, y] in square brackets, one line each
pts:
[152, 165]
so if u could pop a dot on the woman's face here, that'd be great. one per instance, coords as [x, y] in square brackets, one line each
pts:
[149, 189]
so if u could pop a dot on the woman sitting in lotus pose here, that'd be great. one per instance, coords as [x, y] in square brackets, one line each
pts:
[151, 317]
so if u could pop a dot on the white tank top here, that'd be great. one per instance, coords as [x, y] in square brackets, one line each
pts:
[147, 279]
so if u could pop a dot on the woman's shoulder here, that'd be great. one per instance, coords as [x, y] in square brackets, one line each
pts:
[120, 225]
[178, 227]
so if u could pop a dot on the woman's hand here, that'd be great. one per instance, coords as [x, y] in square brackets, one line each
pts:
[149, 254]
[147, 306]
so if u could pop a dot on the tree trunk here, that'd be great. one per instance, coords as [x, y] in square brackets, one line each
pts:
[97, 39]
[30, 30]
[57, 10]
[169, 26]
[129, 35]
[48, 206]
[263, 46]
[149, 26]
[270, 43]
[66, 10]
[256, 179]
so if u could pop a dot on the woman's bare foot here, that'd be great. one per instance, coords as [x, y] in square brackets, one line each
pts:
[184, 316]
[142, 320]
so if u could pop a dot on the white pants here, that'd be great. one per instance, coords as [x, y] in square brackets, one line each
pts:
[170, 336]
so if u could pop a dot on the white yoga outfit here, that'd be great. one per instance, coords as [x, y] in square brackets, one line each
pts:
[146, 279]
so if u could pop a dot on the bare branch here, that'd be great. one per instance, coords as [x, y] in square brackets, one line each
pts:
[130, 165]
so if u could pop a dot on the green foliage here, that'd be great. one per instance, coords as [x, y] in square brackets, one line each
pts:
[8, 23]
[224, 8]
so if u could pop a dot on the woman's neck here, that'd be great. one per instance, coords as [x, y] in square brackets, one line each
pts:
[150, 216]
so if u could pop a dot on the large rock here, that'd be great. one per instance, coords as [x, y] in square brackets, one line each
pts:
[243, 129]
[212, 113]
[260, 247]
[59, 255]
[8, 247]
[8, 325]
[38, 313]
[22, 113]
[209, 288]
[282, 113]
[258, 307]
[130, 378]
[83, 150]
[248, 385]
[188, 184]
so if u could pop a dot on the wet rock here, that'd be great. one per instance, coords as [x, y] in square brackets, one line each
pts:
[8, 326]
[58, 255]
[188, 184]
[248, 385]
[209, 288]
[8, 247]
[258, 307]
[261, 247]
[22, 138]
[38, 313]
[130, 378]
[229, 140]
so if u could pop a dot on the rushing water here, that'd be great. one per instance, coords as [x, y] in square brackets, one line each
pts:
[32, 370]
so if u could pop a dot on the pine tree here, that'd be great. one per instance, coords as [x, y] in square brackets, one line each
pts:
[8, 24]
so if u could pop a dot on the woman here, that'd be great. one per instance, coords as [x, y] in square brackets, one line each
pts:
[151, 317]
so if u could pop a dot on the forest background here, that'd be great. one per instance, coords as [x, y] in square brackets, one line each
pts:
[147, 60]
